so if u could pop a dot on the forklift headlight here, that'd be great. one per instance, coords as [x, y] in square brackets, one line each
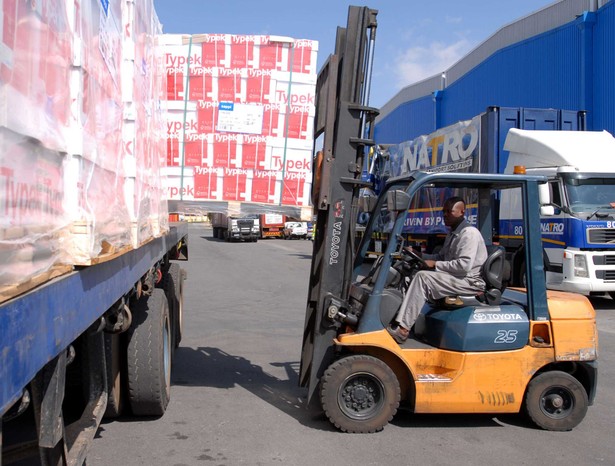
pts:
[580, 266]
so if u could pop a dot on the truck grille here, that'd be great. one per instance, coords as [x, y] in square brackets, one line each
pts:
[245, 224]
[601, 235]
[606, 275]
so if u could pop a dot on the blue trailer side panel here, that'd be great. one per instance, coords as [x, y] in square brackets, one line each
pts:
[37, 326]
[497, 121]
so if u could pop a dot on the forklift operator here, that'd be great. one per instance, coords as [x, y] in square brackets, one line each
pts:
[454, 270]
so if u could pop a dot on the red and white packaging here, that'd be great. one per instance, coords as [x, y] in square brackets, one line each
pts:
[82, 132]
[253, 97]
[36, 56]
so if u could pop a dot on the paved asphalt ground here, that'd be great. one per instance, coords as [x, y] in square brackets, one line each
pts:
[235, 398]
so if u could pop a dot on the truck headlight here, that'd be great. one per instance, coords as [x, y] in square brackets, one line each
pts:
[580, 266]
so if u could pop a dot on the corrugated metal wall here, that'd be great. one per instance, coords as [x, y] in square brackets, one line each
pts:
[539, 72]
[402, 120]
[604, 70]
[570, 66]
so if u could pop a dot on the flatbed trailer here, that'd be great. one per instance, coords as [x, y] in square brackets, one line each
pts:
[73, 344]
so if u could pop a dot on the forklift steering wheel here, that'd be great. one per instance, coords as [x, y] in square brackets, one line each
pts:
[411, 256]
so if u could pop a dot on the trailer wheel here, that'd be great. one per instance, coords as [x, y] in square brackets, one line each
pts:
[359, 394]
[173, 286]
[556, 401]
[115, 380]
[149, 356]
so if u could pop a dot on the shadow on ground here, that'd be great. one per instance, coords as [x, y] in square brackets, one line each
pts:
[212, 367]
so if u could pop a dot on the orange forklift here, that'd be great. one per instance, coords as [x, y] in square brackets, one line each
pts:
[502, 351]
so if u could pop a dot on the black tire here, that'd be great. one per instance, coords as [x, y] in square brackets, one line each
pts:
[522, 276]
[173, 285]
[359, 394]
[556, 401]
[114, 357]
[149, 355]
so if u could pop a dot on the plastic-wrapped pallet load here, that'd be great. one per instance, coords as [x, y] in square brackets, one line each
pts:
[80, 160]
[240, 121]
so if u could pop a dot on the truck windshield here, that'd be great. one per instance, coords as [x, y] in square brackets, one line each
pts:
[589, 194]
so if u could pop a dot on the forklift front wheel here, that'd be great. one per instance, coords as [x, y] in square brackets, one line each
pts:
[359, 394]
[556, 401]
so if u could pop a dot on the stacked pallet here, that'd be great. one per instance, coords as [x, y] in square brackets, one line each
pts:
[240, 119]
[80, 114]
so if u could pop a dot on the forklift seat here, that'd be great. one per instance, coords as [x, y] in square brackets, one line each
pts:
[495, 273]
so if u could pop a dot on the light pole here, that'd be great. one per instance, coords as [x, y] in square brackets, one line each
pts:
[291, 50]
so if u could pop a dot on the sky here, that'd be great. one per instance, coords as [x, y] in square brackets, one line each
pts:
[415, 39]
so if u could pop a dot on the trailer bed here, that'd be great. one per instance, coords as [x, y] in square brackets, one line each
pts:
[36, 326]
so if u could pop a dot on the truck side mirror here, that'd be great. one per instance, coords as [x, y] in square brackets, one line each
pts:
[544, 196]
[398, 200]
[547, 210]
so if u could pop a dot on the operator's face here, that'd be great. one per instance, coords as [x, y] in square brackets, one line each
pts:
[453, 214]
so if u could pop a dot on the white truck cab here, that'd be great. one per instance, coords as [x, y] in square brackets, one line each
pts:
[579, 240]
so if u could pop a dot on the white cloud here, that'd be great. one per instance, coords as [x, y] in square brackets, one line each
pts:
[420, 62]
[453, 19]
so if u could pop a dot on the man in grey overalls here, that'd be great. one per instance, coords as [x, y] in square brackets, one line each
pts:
[456, 269]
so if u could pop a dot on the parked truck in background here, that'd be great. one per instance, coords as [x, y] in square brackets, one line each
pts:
[580, 166]
[272, 225]
[235, 228]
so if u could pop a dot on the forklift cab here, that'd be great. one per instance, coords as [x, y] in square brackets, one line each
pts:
[459, 323]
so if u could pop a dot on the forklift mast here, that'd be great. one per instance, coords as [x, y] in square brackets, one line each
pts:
[343, 124]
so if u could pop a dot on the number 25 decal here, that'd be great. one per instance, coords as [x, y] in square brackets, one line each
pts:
[506, 336]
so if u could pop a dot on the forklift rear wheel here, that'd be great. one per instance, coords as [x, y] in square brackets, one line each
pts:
[556, 401]
[360, 394]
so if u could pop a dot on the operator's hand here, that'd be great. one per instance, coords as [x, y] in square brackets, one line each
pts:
[430, 263]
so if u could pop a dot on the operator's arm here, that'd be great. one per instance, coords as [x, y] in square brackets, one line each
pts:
[461, 255]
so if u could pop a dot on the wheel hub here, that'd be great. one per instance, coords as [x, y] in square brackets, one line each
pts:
[557, 403]
[359, 396]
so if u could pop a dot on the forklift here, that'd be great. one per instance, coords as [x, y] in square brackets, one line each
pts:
[522, 350]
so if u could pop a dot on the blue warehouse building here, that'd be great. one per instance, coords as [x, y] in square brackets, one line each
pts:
[562, 56]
